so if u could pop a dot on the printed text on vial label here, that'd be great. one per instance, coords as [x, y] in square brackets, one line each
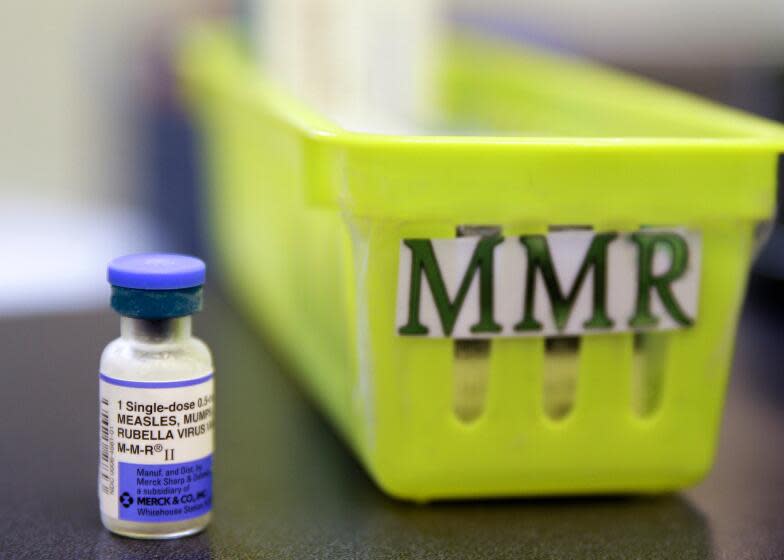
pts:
[156, 450]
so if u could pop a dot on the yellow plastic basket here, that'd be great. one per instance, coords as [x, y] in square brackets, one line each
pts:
[307, 221]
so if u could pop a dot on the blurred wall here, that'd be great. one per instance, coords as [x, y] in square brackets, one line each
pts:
[82, 82]
[72, 81]
[645, 32]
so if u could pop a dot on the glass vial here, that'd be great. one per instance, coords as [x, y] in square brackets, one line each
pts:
[156, 402]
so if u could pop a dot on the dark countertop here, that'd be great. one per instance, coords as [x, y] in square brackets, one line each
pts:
[286, 487]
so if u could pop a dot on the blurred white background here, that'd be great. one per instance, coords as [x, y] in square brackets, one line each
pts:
[76, 83]
[654, 32]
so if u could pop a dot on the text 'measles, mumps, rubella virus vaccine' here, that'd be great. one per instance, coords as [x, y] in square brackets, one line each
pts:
[156, 402]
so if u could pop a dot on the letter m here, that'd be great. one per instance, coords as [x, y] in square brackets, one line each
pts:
[425, 265]
[562, 302]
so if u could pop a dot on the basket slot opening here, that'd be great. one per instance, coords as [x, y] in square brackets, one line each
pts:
[561, 366]
[561, 360]
[472, 357]
[471, 373]
[648, 372]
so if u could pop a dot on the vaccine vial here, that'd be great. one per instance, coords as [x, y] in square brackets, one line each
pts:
[156, 402]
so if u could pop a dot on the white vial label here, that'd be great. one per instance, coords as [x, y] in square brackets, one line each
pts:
[156, 442]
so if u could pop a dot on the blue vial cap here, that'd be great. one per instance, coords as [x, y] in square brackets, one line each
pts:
[156, 285]
[156, 271]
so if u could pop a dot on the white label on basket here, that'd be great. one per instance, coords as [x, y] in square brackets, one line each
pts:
[571, 282]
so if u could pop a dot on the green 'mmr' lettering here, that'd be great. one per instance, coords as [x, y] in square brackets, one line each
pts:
[646, 250]
[539, 259]
[423, 262]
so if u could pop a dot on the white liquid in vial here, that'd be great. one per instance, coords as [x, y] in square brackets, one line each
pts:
[159, 352]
